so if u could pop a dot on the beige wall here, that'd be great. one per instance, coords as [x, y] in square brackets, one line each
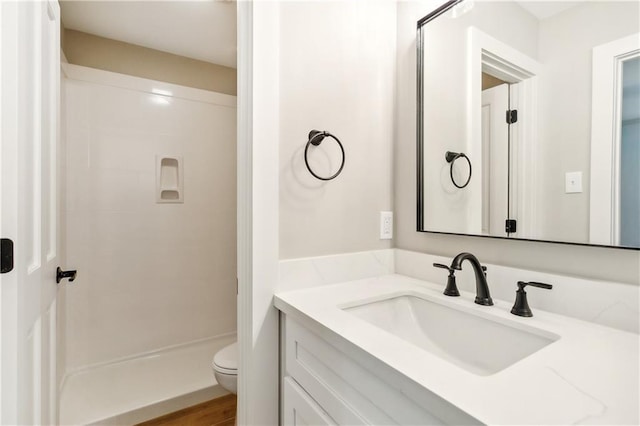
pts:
[111, 55]
[340, 78]
[489, 81]
[592, 262]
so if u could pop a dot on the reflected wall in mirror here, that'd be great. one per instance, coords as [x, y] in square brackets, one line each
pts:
[543, 100]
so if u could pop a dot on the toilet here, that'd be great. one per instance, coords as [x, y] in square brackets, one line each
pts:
[225, 367]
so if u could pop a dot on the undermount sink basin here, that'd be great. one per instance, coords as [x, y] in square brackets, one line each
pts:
[479, 345]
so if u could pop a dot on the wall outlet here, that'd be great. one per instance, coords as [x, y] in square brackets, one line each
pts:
[386, 225]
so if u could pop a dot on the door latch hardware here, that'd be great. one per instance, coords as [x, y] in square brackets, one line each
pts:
[6, 256]
[60, 275]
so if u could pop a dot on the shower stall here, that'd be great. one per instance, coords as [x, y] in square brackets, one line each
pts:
[149, 219]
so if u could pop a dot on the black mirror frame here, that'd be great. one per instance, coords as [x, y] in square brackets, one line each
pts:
[420, 145]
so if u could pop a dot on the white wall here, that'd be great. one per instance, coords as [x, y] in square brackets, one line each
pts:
[149, 275]
[592, 262]
[566, 44]
[337, 73]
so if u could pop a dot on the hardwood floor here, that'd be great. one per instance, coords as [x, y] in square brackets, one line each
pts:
[217, 412]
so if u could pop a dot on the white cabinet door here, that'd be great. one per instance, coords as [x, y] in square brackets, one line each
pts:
[29, 93]
[300, 409]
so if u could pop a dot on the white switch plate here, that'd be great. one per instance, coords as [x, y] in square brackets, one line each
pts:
[386, 225]
[573, 182]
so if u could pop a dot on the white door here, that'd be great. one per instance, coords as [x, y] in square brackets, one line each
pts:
[29, 93]
[495, 156]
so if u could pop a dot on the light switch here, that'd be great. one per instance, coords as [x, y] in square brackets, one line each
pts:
[573, 182]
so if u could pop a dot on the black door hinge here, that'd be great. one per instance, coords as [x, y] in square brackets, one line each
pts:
[510, 226]
[512, 116]
[6, 256]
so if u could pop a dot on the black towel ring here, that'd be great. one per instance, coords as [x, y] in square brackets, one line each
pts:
[451, 158]
[315, 138]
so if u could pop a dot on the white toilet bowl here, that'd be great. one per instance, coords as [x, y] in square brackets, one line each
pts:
[225, 367]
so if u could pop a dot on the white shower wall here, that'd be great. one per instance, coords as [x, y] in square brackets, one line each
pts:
[150, 275]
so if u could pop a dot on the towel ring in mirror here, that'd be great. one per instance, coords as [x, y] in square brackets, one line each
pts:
[451, 158]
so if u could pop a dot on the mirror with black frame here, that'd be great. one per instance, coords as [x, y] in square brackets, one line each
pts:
[529, 121]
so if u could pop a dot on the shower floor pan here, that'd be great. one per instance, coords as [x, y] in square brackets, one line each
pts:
[144, 387]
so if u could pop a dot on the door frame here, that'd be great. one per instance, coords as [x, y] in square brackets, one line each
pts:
[606, 109]
[258, 212]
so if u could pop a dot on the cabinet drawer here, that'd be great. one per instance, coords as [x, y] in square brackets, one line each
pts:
[300, 409]
[348, 392]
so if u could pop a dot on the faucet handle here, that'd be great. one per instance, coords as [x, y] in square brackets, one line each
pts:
[451, 289]
[440, 265]
[521, 306]
[522, 285]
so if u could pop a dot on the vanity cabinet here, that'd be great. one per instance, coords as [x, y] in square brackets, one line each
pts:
[329, 385]
[359, 353]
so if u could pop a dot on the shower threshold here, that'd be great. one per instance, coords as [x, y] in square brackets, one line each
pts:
[142, 387]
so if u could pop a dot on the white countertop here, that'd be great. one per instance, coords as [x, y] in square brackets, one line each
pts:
[590, 375]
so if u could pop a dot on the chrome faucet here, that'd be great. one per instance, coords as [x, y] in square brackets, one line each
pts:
[482, 288]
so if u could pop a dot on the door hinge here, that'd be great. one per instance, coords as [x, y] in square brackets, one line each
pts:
[510, 226]
[512, 116]
[6, 256]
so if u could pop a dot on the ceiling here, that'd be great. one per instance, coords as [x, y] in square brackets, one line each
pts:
[204, 30]
[547, 9]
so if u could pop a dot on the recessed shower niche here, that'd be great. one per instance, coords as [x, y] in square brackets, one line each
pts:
[169, 179]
